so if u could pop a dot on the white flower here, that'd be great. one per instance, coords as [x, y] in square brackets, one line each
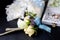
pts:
[30, 31]
[21, 24]
[27, 20]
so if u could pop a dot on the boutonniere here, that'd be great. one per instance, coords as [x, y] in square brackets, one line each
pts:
[28, 24]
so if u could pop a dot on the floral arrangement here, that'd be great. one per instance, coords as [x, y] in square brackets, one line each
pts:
[31, 23]
[28, 24]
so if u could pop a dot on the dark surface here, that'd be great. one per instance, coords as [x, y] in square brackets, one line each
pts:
[20, 35]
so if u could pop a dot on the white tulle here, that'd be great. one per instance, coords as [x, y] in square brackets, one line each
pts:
[18, 8]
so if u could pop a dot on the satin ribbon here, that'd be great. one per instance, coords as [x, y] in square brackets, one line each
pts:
[42, 26]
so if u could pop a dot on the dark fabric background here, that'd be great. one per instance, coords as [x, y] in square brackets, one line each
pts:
[20, 35]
